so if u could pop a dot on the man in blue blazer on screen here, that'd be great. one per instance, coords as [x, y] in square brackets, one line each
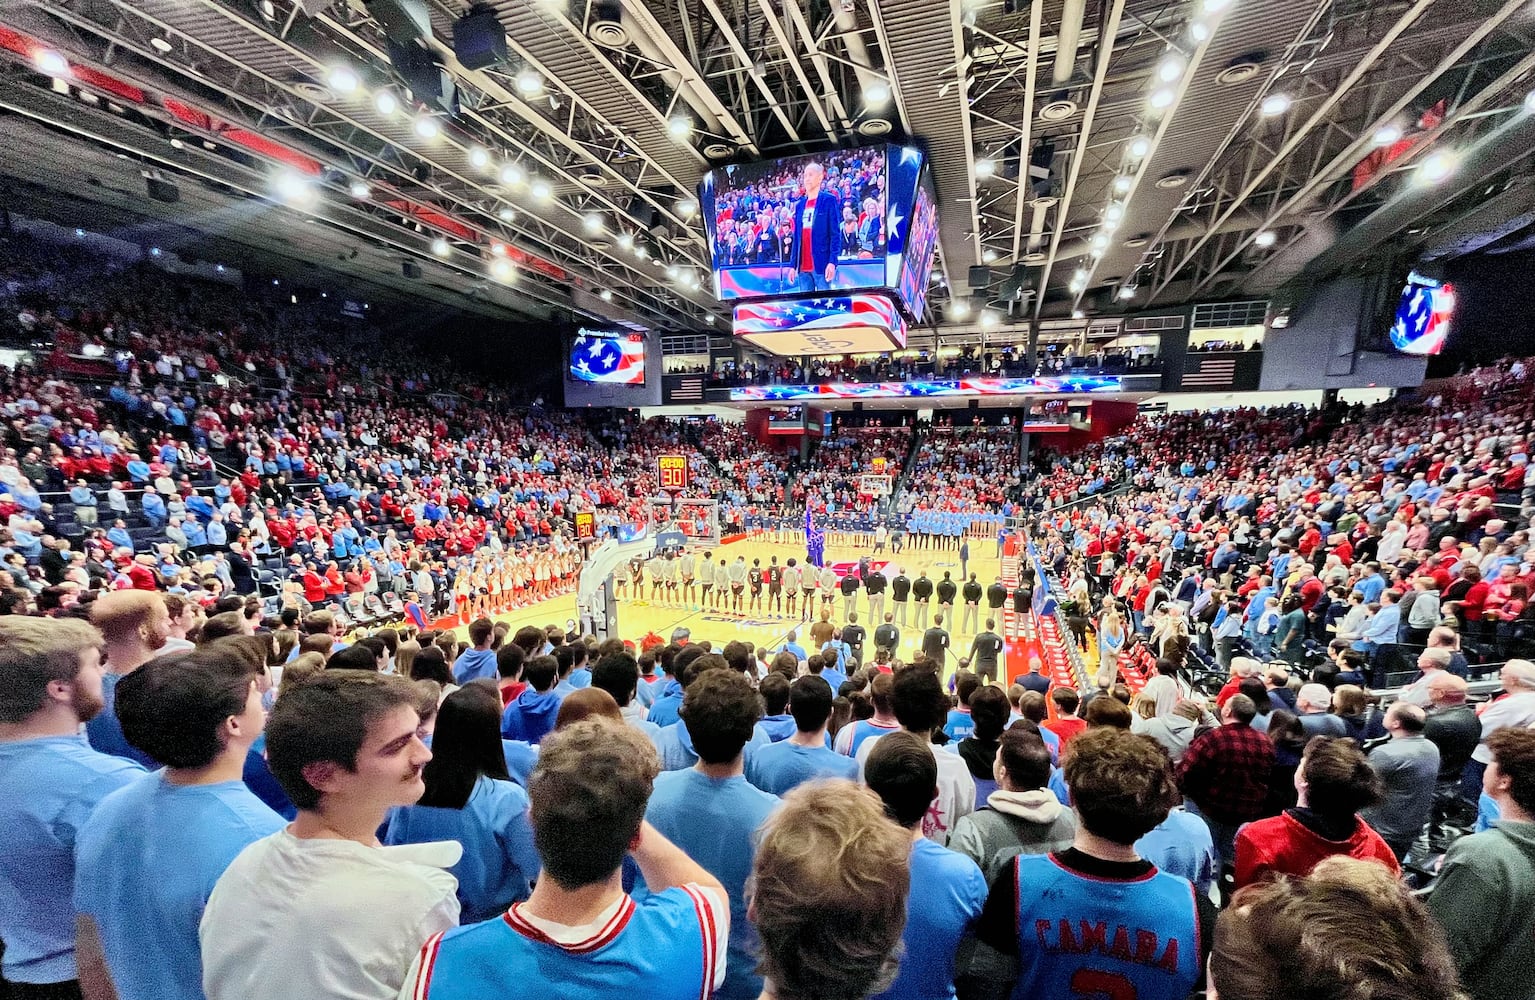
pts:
[817, 239]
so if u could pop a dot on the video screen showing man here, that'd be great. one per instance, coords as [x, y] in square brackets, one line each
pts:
[798, 225]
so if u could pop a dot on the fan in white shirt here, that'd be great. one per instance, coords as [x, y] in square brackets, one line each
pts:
[320, 909]
[919, 704]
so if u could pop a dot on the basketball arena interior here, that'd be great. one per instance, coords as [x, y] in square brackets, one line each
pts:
[799, 499]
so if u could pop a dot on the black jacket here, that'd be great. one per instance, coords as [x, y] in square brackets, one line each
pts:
[922, 589]
[900, 587]
[935, 644]
[946, 591]
[996, 596]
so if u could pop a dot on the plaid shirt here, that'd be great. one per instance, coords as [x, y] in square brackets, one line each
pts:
[1226, 772]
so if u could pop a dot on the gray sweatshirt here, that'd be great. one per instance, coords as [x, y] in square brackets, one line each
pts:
[1010, 824]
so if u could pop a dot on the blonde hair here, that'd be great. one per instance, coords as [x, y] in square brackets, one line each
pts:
[304, 668]
[829, 889]
[1144, 706]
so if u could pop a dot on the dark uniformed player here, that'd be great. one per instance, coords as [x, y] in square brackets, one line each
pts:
[900, 590]
[922, 594]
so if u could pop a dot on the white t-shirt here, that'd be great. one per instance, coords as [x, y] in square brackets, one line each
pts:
[324, 918]
[956, 791]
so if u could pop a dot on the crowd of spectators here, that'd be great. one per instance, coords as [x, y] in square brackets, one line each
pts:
[271, 803]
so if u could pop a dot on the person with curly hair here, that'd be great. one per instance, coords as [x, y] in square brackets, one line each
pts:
[828, 894]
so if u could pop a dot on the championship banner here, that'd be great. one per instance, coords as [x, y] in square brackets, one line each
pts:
[673, 471]
[586, 525]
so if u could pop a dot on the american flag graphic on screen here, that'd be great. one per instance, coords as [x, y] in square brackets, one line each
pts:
[617, 360]
[816, 314]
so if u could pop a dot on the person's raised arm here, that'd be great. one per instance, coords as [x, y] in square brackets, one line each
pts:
[664, 865]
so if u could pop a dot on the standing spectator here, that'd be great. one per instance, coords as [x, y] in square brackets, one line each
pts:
[135, 626]
[149, 856]
[920, 706]
[904, 774]
[532, 713]
[1313, 706]
[1066, 724]
[1122, 786]
[782, 766]
[51, 781]
[818, 945]
[1485, 896]
[579, 933]
[319, 908]
[1333, 783]
[1452, 726]
[1514, 709]
[470, 797]
[712, 812]
[1408, 768]
[1225, 773]
[1022, 816]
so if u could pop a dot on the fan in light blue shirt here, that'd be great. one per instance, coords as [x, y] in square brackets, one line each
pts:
[146, 863]
[49, 786]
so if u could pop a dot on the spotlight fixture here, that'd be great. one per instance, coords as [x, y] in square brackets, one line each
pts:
[687, 208]
[479, 158]
[502, 270]
[1275, 104]
[1170, 68]
[1216, 6]
[512, 175]
[1529, 102]
[154, 251]
[440, 247]
[1114, 212]
[1199, 32]
[361, 191]
[1266, 238]
[672, 273]
[988, 317]
[876, 94]
[293, 188]
[385, 103]
[1139, 147]
[1078, 314]
[1101, 241]
[1127, 291]
[506, 215]
[1122, 184]
[80, 233]
[498, 249]
[605, 295]
[160, 45]
[593, 223]
[1437, 167]
[958, 309]
[1387, 135]
[985, 167]
[625, 241]
[428, 127]
[177, 144]
[50, 62]
[529, 83]
[343, 79]
[1162, 99]
[679, 127]
[541, 190]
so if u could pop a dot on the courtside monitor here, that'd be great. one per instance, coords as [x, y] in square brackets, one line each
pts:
[1423, 315]
[607, 357]
[823, 223]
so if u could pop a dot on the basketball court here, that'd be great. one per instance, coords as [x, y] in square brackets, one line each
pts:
[639, 617]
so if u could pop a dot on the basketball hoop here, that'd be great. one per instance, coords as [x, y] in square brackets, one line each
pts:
[875, 486]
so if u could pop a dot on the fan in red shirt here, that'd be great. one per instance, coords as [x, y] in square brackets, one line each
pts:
[1333, 783]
